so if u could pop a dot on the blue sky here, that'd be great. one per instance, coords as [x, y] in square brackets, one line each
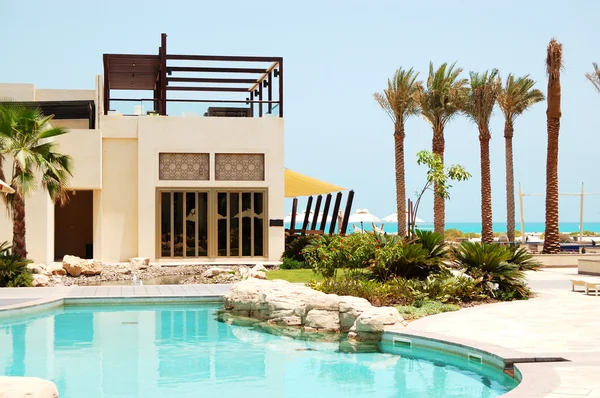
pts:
[336, 55]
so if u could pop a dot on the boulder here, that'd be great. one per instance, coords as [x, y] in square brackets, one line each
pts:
[32, 387]
[139, 262]
[76, 266]
[257, 274]
[40, 280]
[285, 304]
[214, 271]
[259, 267]
[36, 269]
[55, 269]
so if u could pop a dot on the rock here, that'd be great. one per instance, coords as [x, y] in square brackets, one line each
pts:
[36, 269]
[288, 305]
[33, 387]
[257, 274]
[323, 320]
[55, 269]
[40, 280]
[76, 266]
[139, 262]
[259, 267]
[214, 271]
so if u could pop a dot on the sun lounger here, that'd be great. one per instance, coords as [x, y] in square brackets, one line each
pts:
[587, 284]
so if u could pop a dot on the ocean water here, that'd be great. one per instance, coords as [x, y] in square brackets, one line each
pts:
[163, 351]
[530, 227]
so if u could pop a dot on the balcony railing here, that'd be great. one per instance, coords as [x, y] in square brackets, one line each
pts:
[208, 85]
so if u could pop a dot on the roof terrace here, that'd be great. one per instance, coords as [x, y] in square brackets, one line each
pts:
[232, 86]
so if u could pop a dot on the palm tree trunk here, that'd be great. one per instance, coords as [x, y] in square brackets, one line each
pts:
[510, 181]
[551, 235]
[439, 204]
[400, 181]
[553, 114]
[487, 230]
[18, 213]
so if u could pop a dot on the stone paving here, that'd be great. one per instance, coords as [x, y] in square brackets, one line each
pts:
[557, 323]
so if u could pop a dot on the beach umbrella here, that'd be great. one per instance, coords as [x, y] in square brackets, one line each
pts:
[288, 218]
[393, 218]
[362, 216]
[4, 187]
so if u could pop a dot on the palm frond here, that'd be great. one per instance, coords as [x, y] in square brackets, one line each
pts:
[443, 95]
[594, 77]
[517, 96]
[482, 96]
[398, 99]
[554, 59]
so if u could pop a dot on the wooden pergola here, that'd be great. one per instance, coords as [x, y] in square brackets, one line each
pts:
[164, 72]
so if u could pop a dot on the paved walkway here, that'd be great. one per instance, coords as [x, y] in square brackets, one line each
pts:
[557, 323]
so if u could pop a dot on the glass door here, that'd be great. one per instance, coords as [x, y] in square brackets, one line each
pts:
[240, 224]
[183, 223]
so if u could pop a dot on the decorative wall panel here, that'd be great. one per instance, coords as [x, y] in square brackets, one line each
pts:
[183, 166]
[240, 167]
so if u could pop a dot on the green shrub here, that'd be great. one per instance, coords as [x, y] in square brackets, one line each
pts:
[294, 248]
[488, 265]
[13, 269]
[523, 259]
[448, 288]
[290, 263]
[452, 234]
[423, 308]
[433, 242]
[326, 253]
[405, 260]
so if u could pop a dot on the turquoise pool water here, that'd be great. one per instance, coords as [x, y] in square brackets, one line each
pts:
[181, 351]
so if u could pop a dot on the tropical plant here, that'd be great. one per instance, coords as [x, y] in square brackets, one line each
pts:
[399, 102]
[24, 136]
[437, 178]
[521, 257]
[479, 107]
[291, 263]
[489, 265]
[517, 96]
[13, 269]
[433, 243]
[553, 114]
[440, 99]
[293, 248]
[594, 77]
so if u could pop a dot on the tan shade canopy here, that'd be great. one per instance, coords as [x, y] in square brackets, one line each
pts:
[297, 184]
[4, 187]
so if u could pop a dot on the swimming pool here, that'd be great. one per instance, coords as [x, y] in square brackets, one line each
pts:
[180, 350]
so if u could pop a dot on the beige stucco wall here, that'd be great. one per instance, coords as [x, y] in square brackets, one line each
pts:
[85, 147]
[17, 91]
[118, 218]
[208, 135]
[64, 95]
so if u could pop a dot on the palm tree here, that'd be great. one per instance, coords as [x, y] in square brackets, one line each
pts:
[399, 102]
[24, 137]
[514, 98]
[442, 98]
[553, 114]
[594, 78]
[479, 107]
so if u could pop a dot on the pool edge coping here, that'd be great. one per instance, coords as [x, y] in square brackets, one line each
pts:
[533, 381]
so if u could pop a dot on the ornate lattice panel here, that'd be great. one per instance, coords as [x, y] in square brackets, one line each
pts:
[240, 167]
[183, 166]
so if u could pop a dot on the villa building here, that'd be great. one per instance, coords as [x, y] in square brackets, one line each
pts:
[179, 158]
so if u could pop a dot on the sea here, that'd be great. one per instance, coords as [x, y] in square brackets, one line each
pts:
[530, 227]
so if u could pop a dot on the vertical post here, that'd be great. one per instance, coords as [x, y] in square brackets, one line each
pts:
[260, 97]
[270, 92]
[106, 86]
[325, 212]
[522, 216]
[293, 220]
[252, 103]
[334, 215]
[281, 91]
[347, 212]
[581, 216]
[313, 225]
[307, 215]
[410, 219]
[163, 74]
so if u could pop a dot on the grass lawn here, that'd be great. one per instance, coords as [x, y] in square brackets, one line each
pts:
[294, 275]
[425, 308]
